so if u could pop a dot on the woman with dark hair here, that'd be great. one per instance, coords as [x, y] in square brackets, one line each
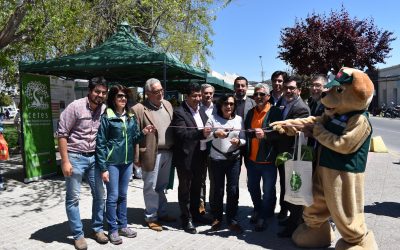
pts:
[118, 133]
[227, 138]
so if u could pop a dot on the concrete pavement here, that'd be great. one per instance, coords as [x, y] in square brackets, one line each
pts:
[33, 215]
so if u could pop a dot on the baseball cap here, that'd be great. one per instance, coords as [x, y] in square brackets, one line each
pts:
[341, 78]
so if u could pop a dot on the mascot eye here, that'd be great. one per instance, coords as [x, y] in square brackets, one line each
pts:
[339, 90]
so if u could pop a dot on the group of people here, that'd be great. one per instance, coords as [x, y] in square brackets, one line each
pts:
[101, 142]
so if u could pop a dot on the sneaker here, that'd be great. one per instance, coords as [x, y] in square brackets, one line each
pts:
[154, 225]
[80, 244]
[259, 225]
[235, 227]
[115, 238]
[254, 217]
[127, 232]
[100, 237]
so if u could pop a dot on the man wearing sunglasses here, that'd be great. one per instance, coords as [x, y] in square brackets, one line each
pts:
[260, 156]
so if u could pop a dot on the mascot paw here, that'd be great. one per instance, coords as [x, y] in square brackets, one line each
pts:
[368, 243]
[308, 237]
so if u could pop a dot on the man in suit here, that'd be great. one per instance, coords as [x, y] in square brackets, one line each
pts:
[317, 86]
[277, 79]
[243, 103]
[294, 107]
[189, 155]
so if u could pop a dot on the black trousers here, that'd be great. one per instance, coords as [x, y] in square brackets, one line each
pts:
[190, 180]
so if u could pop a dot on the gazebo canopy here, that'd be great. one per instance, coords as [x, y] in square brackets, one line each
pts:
[122, 58]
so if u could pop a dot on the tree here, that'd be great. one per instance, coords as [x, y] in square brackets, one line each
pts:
[5, 99]
[319, 43]
[53, 28]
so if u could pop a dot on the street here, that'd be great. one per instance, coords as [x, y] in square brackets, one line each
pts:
[389, 129]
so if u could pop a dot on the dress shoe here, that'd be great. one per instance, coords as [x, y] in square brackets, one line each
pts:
[189, 228]
[100, 237]
[282, 214]
[202, 220]
[167, 218]
[287, 232]
[80, 244]
[216, 225]
[154, 225]
[235, 227]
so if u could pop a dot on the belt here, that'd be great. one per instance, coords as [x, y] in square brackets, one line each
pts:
[85, 154]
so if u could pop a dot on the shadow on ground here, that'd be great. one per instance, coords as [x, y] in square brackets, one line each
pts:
[391, 209]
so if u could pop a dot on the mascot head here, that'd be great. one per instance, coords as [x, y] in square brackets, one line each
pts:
[351, 90]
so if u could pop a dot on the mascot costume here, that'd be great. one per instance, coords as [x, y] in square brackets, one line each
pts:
[343, 136]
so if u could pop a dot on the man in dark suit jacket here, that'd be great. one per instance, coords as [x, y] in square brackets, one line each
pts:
[294, 107]
[318, 83]
[277, 79]
[243, 103]
[189, 155]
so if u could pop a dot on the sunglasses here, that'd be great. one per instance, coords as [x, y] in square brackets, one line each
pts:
[156, 92]
[259, 94]
[229, 103]
[120, 96]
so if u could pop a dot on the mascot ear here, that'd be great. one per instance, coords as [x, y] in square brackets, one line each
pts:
[362, 85]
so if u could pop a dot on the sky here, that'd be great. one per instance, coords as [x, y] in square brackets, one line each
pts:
[248, 29]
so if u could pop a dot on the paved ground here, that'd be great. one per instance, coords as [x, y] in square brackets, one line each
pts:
[33, 216]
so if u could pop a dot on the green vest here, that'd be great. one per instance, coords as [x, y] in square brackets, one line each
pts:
[354, 162]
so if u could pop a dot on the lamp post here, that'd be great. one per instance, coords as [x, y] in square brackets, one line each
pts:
[262, 70]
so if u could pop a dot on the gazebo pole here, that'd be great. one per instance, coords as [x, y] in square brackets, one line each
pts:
[165, 77]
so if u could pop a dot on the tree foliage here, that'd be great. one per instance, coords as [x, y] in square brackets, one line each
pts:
[46, 29]
[5, 99]
[320, 42]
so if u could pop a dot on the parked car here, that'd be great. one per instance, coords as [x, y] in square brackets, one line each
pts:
[11, 109]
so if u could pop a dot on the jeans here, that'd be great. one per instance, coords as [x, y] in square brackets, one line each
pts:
[154, 184]
[117, 188]
[264, 206]
[84, 166]
[230, 169]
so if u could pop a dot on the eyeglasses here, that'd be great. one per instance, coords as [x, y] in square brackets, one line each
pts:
[120, 96]
[262, 94]
[290, 87]
[156, 92]
[229, 104]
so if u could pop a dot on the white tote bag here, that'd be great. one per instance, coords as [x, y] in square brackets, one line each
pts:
[298, 177]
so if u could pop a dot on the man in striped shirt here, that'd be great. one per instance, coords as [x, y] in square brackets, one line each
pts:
[77, 130]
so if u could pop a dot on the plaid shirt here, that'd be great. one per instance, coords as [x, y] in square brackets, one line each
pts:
[79, 124]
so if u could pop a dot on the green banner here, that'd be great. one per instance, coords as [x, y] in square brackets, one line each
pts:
[39, 151]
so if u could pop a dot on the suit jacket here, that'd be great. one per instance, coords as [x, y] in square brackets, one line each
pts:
[299, 109]
[187, 139]
[148, 147]
[315, 109]
[271, 100]
[248, 104]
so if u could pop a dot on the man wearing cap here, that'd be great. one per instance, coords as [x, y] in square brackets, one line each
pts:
[77, 130]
